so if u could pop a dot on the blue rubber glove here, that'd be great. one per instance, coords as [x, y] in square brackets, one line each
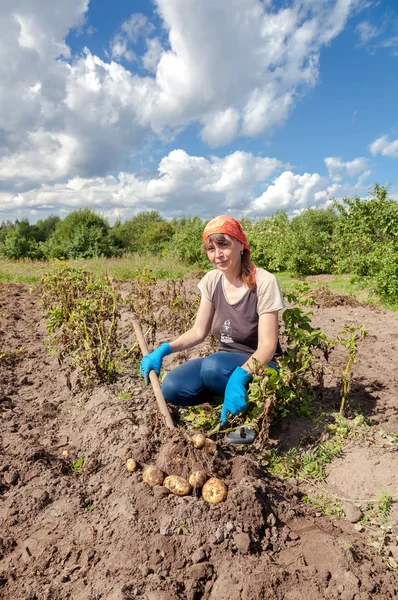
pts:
[235, 394]
[154, 360]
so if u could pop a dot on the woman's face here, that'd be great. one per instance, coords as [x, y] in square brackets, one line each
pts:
[225, 255]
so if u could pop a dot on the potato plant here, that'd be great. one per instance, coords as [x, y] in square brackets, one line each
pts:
[299, 380]
[82, 319]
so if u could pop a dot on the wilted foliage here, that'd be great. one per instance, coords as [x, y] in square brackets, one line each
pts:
[82, 320]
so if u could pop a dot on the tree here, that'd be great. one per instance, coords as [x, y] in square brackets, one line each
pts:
[82, 234]
[311, 242]
[131, 235]
[366, 240]
[187, 241]
[269, 241]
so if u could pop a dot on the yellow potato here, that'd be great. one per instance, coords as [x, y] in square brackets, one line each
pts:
[131, 465]
[210, 446]
[153, 476]
[177, 485]
[198, 440]
[214, 491]
[197, 479]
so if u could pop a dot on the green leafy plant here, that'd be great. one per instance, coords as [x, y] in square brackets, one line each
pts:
[384, 505]
[77, 466]
[82, 319]
[124, 395]
[349, 338]
[377, 519]
[326, 505]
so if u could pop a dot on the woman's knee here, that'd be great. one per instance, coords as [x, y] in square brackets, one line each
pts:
[182, 385]
[221, 364]
[171, 388]
[210, 367]
[216, 370]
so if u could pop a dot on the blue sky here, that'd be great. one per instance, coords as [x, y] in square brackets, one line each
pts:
[238, 106]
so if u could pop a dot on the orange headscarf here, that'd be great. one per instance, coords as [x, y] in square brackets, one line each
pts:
[228, 226]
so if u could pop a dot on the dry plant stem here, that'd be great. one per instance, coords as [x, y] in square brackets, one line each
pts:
[9, 353]
[354, 500]
[153, 378]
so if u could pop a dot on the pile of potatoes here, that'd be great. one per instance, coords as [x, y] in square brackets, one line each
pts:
[213, 490]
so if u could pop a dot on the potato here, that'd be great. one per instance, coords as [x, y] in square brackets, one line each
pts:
[198, 440]
[131, 465]
[210, 446]
[153, 476]
[177, 485]
[214, 491]
[197, 479]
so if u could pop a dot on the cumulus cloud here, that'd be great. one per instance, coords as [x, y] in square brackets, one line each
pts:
[291, 192]
[385, 147]
[235, 67]
[338, 169]
[184, 184]
[221, 128]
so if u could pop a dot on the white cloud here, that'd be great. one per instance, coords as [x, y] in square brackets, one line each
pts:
[385, 147]
[367, 32]
[221, 128]
[131, 30]
[152, 56]
[291, 192]
[236, 67]
[184, 184]
[338, 169]
[137, 26]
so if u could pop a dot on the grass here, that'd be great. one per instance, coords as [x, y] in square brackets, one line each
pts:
[166, 267]
[124, 269]
[338, 284]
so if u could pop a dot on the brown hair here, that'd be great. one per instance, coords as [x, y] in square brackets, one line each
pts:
[246, 273]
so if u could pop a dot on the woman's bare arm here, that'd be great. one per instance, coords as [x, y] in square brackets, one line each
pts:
[200, 329]
[267, 340]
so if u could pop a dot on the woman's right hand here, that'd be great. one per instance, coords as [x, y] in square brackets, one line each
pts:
[154, 360]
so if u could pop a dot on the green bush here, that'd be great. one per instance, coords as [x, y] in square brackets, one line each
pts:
[18, 242]
[187, 241]
[269, 241]
[134, 234]
[386, 278]
[311, 242]
[366, 240]
[82, 234]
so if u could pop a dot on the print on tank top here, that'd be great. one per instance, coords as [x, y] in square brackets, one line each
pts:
[226, 333]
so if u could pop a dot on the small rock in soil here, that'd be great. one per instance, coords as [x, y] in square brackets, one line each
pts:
[200, 571]
[198, 556]
[242, 542]
[352, 513]
[159, 491]
[12, 477]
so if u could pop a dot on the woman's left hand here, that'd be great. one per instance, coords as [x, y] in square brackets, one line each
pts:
[235, 394]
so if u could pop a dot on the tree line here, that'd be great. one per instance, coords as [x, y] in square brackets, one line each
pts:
[356, 236]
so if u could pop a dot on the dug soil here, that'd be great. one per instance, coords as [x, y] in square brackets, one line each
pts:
[74, 523]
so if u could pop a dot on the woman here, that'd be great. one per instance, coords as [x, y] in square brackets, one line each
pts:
[239, 305]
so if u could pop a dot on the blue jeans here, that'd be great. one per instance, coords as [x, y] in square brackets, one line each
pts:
[199, 380]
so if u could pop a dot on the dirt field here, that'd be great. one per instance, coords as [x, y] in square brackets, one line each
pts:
[102, 533]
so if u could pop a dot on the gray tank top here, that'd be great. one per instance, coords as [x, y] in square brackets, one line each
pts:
[235, 326]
